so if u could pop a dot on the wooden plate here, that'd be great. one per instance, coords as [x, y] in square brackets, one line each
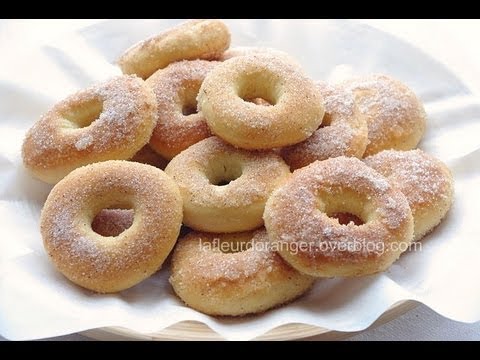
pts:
[193, 330]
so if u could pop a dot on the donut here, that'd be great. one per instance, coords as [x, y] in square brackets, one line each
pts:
[194, 39]
[395, 116]
[179, 125]
[299, 222]
[249, 50]
[108, 121]
[343, 131]
[233, 274]
[112, 222]
[425, 181]
[108, 264]
[224, 189]
[296, 113]
[147, 155]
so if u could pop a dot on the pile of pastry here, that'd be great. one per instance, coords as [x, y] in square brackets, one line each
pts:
[256, 178]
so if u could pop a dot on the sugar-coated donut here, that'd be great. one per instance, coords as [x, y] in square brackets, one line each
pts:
[425, 181]
[296, 113]
[179, 125]
[249, 50]
[108, 121]
[395, 116]
[343, 131]
[110, 264]
[233, 274]
[194, 39]
[298, 223]
[224, 189]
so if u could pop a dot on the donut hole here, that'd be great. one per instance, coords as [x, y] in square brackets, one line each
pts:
[112, 222]
[111, 213]
[83, 113]
[223, 171]
[188, 99]
[346, 207]
[344, 218]
[259, 88]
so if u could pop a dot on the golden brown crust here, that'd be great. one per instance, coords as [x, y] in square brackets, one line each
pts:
[425, 181]
[110, 264]
[395, 116]
[118, 117]
[237, 206]
[176, 88]
[297, 221]
[296, 113]
[194, 39]
[343, 131]
[212, 274]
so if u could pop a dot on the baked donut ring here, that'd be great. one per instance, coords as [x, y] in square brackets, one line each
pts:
[194, 39]
[233, 274]
[296, 113]
[395, 116]
[298, 223]
[249, 50]
[108, 121]
[343, 131]
[110, 264]
[179, 125]
[425, 181]
[224, 189]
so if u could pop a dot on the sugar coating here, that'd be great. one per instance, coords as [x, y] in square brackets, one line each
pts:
[425, 181]
[420, 176]
[84, 142]
[296, 114]
[249, 50]
[233, 283]
[343, 131]
[261, 171]
[175, 87]
[206, 261]
[293, 214]
[85, 256]
[123, 126]
[194, 39]
[395, 116]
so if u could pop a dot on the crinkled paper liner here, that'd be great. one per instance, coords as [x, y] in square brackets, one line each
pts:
[36, 301]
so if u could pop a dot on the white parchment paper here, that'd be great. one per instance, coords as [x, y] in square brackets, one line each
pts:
[36, 301]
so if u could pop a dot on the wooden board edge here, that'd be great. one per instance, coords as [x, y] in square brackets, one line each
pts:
[194, 330]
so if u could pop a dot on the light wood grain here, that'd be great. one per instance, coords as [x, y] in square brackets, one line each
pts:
[192, 330]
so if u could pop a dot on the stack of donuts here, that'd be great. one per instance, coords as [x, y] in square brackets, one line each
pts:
[256, 178]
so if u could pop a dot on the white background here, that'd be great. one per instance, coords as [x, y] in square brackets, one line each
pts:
[449, 41]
